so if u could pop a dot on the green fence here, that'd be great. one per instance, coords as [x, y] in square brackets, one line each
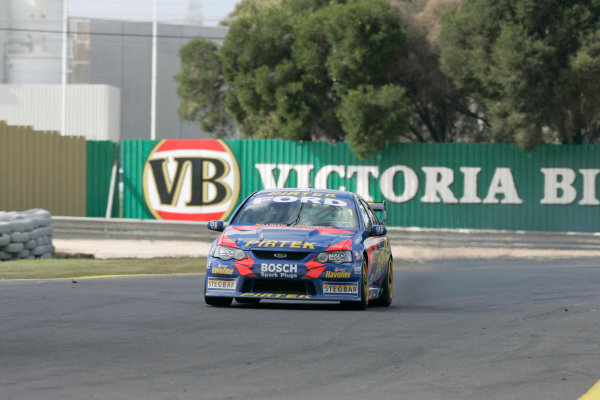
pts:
[484, 186]
[101, 156]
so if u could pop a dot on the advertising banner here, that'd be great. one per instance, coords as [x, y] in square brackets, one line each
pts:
[481, 186]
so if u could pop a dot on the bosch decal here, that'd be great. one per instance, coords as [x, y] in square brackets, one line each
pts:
[278, 270]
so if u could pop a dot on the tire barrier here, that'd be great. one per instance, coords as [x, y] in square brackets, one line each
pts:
[25, 235]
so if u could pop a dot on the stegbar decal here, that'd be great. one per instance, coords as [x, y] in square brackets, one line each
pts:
[336, 289]
[221, 284]
[191, 180]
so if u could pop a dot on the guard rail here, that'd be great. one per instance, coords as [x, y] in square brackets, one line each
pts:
[126, 228]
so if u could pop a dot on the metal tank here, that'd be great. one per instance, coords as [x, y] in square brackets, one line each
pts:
[34, 46]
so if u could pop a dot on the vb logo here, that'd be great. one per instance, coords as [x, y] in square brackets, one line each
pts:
[193, 180]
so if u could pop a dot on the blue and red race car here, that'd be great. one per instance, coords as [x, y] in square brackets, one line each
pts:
[301, 244]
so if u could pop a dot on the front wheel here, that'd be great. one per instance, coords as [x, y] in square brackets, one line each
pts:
[218, 301]
[364, 293]
[385, 299]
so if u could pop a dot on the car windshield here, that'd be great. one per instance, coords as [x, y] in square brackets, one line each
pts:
[303, 211]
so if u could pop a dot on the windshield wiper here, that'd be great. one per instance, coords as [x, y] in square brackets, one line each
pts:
[295, 222]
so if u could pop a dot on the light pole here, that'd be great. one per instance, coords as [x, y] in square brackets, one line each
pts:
[153, 100]
[63, 122]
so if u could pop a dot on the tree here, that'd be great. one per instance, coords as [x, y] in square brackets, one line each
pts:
[319, 69]
[441, 112]
[533, 66]
[293, 64]
[202, 89]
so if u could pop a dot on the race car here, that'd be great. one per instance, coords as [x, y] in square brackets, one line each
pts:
[301, 244]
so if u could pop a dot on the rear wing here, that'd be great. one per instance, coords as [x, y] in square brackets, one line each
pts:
[379, 206]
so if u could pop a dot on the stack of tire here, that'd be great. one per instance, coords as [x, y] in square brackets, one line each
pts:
[25, 235]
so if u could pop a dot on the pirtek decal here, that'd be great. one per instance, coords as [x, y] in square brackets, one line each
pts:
[277, 296]
[281, 243]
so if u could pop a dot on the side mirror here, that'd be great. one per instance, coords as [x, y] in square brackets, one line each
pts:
[216, 225]
[378, 230]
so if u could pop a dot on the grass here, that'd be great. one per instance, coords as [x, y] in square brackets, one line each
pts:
[79, 268]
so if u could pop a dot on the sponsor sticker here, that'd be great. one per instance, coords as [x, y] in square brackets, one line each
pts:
[277, 296]
[340, 289]
[281, 243]
[222, 270]
[338, 273]
[191, 180]
[293, 199]
[221, 284]
[272, 270]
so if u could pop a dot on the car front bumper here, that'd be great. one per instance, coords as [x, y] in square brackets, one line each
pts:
[283, 281]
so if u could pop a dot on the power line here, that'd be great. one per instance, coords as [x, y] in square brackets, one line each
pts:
[109, 34]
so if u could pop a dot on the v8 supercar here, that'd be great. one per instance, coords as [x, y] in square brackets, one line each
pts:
[301, 244]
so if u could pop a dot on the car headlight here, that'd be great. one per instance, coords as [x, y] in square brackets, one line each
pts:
[227, 253]
[335, 257]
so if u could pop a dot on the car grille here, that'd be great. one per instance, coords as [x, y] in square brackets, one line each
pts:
[279, 286]
[290, 255]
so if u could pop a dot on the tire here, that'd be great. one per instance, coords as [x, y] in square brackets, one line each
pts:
[39, 250]
[23, 254]
[30, 245]
[5, 227]
[13, 248]
[385, 299]
[246, 300]
[33, 235]
[19, 237]
[22, 225]
[45, 231]
[4, 239]
[364, 290]
[218, 301]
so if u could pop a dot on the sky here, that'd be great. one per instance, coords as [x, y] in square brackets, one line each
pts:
[169, 11]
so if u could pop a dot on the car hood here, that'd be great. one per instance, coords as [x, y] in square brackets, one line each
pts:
[289, 238]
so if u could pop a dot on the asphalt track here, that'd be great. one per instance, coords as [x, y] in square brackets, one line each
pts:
[458, 329]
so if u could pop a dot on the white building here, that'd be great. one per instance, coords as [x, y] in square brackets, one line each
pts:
[108, 73]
